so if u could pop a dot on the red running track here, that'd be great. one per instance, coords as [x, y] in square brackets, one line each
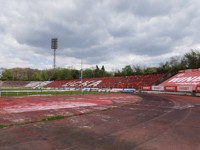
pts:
[33, 108]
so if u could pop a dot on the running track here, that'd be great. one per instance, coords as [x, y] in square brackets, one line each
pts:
[159, 122]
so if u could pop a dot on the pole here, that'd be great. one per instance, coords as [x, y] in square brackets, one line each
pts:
[81, 78]
[54, 64]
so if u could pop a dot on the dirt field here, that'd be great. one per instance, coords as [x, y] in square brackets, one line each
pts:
[158, 122]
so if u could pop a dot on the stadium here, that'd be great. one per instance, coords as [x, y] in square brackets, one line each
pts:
[126, 112]
[99, 75]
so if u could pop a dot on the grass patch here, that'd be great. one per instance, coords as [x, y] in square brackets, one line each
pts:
[3, 126]
[43, 92]
[54, 118]
[110, 108]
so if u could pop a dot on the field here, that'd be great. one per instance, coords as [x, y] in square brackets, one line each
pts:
[100, 121]
[25, 92]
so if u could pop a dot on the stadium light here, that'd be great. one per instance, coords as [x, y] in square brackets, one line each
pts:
[81, 77]
[54, 46]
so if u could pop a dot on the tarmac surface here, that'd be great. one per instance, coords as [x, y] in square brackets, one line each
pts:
[158, 122]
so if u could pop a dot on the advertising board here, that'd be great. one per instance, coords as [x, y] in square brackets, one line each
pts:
[158, 88]
[184, 88]
[146, 88]
[170, 88]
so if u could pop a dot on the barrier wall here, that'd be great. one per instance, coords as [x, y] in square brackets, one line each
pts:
[169, 88]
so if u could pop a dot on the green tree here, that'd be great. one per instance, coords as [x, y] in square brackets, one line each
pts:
[97, 68]
[138, 69]
[193, 59]
[24, 78]
[36, 77]
[88, 73]
[44, 76]
[7, 75]
[96, 72]
[75, 74]
[118, 73]
[103, 71]
[150, 70]
[127, 70]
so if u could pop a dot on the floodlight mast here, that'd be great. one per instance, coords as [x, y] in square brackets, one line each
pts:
[81, 77]
[54, 46]
[54, 59]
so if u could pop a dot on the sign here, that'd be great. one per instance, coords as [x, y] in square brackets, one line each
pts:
[170, 88]
[193, 70]
[146, 88]
[181, 71]
[188, 70]
[158, 88]
[198, 88]
[184, 88]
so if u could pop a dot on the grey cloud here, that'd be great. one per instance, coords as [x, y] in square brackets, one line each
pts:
[148, 8]
[95, 30]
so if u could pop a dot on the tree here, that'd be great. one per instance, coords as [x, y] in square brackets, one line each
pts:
[103, 71]
[137, 69]
[44, 76]
[127, 70]
[117, 73]
[97, 68]
[36, 77]
[150, 70]
[75, 74]
[88, 73]
[193, 59]
[7, 75]
[103, 68]
[97, 72]
[24, 78]
[174, 61]
[64, 74]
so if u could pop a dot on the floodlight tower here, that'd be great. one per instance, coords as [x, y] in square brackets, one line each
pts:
[81, 77]
[54, 46]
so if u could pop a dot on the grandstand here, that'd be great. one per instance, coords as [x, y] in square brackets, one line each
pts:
[137, 81]
[186, 81]
[23, 84]
[14, 84]
[37, 84]
[109, 82]
[189, 77]
[122, 82]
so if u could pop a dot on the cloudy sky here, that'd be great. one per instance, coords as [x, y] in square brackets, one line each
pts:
[113, 33]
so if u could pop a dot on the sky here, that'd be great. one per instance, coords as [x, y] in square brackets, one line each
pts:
[113, 33]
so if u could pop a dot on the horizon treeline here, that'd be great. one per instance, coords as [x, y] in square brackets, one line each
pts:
[190, 60]
[28, 74]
